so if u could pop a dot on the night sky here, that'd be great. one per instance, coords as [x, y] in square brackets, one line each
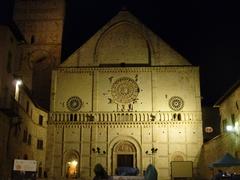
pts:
[206, 33]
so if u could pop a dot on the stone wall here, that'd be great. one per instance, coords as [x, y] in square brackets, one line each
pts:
[26, 127]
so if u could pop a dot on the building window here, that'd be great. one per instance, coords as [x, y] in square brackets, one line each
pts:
[31, 113]
[17, 129]
[27, 107]
[9, 62]
[25, 136]
[224, 124]
[29, 139]
[39, 144]
[40, 120]
[233, 119]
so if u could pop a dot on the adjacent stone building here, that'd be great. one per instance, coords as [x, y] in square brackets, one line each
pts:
[124, 98]
[228, 140]
[23, 124]
[8, 46]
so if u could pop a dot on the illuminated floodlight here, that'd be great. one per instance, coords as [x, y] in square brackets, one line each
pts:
[230, 128]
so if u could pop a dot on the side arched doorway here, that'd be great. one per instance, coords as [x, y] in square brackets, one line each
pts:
[71, 164]
[124, 154]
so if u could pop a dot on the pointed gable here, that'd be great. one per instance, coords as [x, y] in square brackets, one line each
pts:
[124, 40]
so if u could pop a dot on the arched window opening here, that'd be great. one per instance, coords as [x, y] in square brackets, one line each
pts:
[174, 116]
[179, 117]
[71, 117]
[75, 117]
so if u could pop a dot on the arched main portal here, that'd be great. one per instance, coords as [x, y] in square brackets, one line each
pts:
[124, 155]
[125, 151]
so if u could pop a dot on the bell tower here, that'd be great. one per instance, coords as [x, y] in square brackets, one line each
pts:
[41, 23]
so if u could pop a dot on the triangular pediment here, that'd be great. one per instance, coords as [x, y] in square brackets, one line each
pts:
[125, 40]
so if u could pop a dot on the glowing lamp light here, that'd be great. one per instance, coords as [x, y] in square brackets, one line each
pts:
[17, 88]
[72, 168]
[74, 163]
[18, 82]
[230, 128]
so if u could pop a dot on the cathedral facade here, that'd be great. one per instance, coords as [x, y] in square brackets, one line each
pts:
[124, 98]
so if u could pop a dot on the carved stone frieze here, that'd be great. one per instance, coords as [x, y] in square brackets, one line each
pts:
[124, 146]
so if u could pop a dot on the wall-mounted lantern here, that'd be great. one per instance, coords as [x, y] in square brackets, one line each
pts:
[152, 151]
[98, 151]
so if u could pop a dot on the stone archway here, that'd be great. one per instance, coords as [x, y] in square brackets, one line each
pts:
[126, 146]
[178, 156]
[71, 164]
[124, 155]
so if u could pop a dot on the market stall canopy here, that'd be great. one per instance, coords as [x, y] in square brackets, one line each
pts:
[226, 161]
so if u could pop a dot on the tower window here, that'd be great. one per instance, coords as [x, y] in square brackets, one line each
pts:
[32, 39]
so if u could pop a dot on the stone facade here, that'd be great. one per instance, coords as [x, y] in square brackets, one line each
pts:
[8, 44]
[28, 132]
[19, 116]
[227, 141]
[125, 98]
[8, 65]
[4, 129]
